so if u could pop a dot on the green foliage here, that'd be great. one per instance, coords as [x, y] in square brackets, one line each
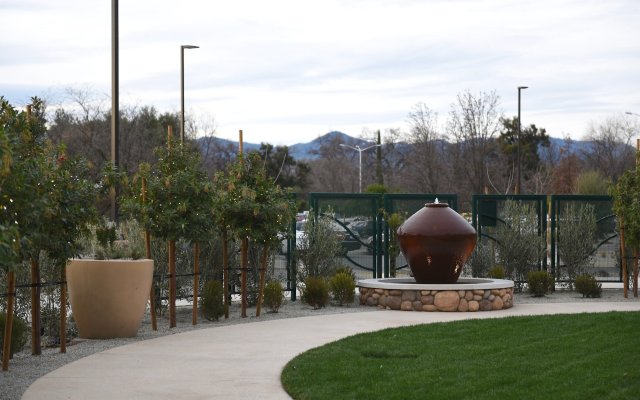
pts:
[592, 183]
[282, 168]
[212, 300]
[539, 283]
[520, 247]
[394, 221]
[46, 198]
[317, 249]
[626, 204]
[587, 286]
[378, 188]
[342, 286]
[273, 295]
[250, 204]
[577, 229]
[530, 138]
[316, 292]
[178, 200]
[481, 260]
[19, 332]
[496, 272]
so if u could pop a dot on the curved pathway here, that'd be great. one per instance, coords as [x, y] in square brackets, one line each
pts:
[239, 361]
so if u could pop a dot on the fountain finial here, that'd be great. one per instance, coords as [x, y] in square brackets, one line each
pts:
[437, 202]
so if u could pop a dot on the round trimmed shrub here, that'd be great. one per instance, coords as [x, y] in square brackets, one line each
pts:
[539, 282]
[316, 292]
[212, 300]
[496, 272]
[343, 286]
[18, 334]
[273, 295]
[587, 286]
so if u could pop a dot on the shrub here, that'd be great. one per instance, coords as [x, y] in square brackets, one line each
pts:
[317, 249]
[345, 270]
[539, 282]
[343, 288]
[481, 260]
[18, 334]
[273, 295]
[496, 272]
[212, 304]
[316, 292]
[587, 286]
[520, 246]
[577, 230]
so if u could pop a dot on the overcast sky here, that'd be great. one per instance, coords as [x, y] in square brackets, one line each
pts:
[289, 71]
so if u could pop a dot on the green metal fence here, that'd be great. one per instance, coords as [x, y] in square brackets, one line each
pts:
[486, 215]
[604, 261]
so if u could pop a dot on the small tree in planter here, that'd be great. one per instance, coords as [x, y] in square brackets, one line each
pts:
[45, 200]
[177, 204]
[626, 204]
[250, 205]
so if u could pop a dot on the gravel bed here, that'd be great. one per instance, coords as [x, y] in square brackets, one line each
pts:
[24, 368]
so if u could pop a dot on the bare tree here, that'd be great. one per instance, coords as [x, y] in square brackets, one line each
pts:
[427, 168]
[474, 124]
[611, 151]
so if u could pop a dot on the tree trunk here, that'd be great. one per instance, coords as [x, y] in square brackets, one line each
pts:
[196, 276]
[244, 250]
[225, 274]
[172, 283]
[36, 348]
[263, 273]
[6, 346]
[63, 310]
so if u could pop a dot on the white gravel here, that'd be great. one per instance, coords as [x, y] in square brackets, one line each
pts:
[24, 368]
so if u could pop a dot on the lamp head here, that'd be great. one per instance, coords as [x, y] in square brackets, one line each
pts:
[523, 87]
[189, 46]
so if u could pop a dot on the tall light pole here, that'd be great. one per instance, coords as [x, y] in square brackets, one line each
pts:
[360, 150]
[519, 187]
[182, 47]
[115, 107]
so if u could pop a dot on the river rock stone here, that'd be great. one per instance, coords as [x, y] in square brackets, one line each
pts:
[447, 300]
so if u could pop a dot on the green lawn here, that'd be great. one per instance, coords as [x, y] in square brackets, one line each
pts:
[582, 356]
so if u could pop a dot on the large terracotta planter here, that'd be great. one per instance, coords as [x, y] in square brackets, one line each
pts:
[436, 241]
[108, 297]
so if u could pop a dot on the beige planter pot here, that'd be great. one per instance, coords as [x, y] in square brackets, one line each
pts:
[108, 297]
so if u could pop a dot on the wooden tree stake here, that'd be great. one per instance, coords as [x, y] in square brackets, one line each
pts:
[36, 348]
[147, 249]
[225, 273]
[172, 284]
[623, 257]
[263, 273]
[8, 326]
[635, 275]
[244, 261]
[63, 310]
[196, 276]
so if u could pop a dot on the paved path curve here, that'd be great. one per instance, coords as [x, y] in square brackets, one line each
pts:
[241, 361]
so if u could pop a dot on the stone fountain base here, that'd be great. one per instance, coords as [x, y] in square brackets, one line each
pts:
[468, 294]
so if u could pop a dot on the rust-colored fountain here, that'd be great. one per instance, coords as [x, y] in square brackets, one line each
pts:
[436, 241]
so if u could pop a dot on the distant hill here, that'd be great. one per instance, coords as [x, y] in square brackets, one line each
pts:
[304, 151]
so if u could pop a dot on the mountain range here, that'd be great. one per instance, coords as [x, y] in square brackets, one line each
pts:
[305, 151]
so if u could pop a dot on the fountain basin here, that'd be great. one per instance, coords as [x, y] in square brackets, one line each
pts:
[466, 295]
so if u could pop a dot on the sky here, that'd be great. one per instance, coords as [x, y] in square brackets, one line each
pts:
[288, 71]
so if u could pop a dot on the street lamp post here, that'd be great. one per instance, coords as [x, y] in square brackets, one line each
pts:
[182, 47]
[519, 187]
[360, 150]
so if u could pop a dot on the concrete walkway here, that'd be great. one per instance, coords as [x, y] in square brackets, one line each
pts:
[241, 361]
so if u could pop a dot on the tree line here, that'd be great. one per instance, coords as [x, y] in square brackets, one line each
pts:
[473, 151]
